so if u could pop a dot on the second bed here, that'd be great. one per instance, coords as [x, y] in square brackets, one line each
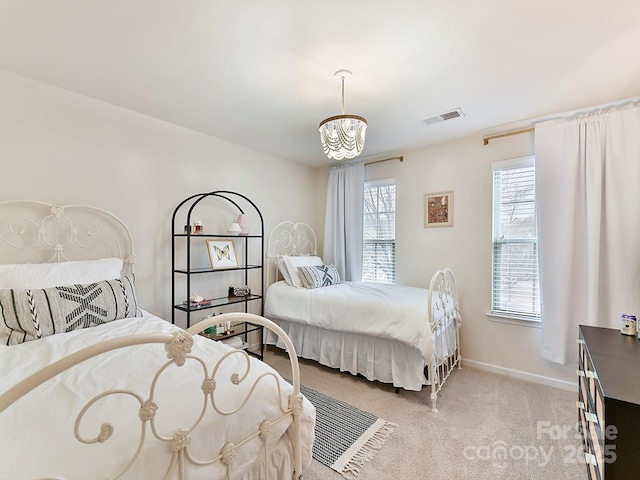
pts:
[405, 336]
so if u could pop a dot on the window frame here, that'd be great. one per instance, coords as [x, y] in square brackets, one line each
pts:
[532, 319]
[365, 242]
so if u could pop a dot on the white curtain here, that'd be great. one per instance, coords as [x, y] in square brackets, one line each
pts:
[343, 221]
[588, 201]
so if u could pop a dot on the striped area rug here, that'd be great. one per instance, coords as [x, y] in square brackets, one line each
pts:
[346, 438]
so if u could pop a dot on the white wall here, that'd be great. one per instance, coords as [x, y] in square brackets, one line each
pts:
[60, 147]
[464, 166]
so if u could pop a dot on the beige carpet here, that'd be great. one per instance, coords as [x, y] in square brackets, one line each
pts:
[489, 427]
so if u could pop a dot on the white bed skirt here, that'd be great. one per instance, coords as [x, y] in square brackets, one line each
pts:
[375, 358]
[279, 464]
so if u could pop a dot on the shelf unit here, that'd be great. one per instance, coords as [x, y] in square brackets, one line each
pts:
[183, 269]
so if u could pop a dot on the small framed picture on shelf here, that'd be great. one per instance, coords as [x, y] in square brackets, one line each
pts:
[221, 254]
[438, 209]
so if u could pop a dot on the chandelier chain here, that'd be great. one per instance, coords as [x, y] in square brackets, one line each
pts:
[343, 95]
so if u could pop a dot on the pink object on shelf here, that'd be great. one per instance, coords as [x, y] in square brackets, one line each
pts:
[244, 226]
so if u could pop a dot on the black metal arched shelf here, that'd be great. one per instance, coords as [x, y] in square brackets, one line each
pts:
[182, 215]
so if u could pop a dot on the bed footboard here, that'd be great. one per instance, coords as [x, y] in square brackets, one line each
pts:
[445, 320]
[180, 454]
[294, 407]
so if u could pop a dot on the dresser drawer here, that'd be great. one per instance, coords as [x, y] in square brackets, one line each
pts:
[589, 387]
[595, 472]
[592, 439]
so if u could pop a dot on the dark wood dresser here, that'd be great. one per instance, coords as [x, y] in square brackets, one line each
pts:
[609, 402]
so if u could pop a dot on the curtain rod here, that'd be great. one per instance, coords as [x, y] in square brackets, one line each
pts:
[401, 158]
[508, 134]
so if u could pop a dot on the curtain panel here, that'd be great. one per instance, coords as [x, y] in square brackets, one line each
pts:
[588, 201]
[342, 244]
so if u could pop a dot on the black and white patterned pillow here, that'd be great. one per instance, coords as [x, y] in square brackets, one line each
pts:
[316, 276]
[35, 313]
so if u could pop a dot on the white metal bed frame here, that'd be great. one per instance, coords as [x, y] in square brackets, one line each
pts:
[178, 347]
[52, 233]
[37, 232]
[291, 238]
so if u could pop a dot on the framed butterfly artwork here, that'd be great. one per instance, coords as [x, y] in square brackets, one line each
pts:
[221, 254]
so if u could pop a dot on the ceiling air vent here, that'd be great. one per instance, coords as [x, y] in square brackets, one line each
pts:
[444, 116]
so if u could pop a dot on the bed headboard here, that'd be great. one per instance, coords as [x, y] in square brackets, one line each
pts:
[288, 238]
[38, 232]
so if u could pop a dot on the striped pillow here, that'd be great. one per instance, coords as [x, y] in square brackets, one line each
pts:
[35, 313]
[316, 276]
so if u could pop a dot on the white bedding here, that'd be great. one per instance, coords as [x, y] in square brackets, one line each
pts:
[385, 311]
[37, 431]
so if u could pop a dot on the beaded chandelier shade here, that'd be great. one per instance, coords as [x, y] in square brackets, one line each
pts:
[342, 136]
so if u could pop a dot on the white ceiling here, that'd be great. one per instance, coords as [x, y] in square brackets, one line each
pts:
[260, 72]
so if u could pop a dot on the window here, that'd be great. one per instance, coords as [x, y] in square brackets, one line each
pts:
[379, 232]
[515, 283]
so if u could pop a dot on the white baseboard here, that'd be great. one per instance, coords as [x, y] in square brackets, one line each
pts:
[531, 377]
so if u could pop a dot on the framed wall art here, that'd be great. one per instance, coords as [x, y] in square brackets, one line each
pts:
[438, 209]
[221, 254]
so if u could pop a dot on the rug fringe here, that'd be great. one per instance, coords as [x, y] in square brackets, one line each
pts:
[368, 450]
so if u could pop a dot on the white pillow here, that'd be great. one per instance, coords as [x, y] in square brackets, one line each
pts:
[282, 267]
[47, 275]
[293, 262]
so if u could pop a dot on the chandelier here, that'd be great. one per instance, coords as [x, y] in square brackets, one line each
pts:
[342, 136]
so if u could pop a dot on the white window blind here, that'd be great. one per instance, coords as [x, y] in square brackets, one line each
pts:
[379, 238]
[515, 282]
